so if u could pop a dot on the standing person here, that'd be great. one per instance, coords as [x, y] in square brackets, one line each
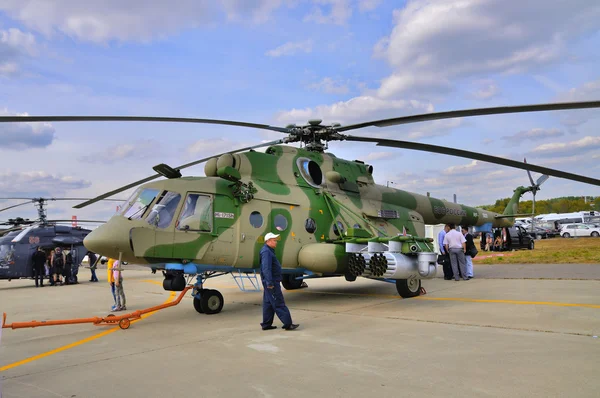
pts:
[270, 273]
[58, 265]
[120, 293]
[39, 261]
[92, 261]
[111, 282]
[455, 244]
[469, 245]
[448, 275]
[50, 268]
[67, 268]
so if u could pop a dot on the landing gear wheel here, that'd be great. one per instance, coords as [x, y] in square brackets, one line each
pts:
[124, 323]
[408, 288]
[211, 301]
[197, 305]
[290, 282]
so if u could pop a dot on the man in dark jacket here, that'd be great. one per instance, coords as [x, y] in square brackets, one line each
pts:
[270, 273]
[470, 246]
[39, 259]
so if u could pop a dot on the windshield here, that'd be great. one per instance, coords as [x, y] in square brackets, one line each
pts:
[135, 207]
[163, 211]
[7, 252]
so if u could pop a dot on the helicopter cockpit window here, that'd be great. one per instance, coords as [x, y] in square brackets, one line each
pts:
[7, 252]
[196, 214]
[163, 211]
[137, 204]
[310, 171]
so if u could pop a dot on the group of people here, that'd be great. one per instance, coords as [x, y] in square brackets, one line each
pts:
[458, 247]
[57, 265]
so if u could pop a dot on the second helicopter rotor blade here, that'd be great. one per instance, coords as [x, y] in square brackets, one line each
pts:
[472, 112]
[17, 205]
[17, 119]
[476, 156]
[152, 177]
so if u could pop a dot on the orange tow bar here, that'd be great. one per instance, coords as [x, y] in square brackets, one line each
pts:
[123, 320]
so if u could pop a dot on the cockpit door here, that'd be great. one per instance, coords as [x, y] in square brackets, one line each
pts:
[195, 226]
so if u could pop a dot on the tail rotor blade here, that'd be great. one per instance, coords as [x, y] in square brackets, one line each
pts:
[529, 173]
[542, 179]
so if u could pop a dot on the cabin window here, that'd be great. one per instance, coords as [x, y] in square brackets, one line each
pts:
[280, 222]
[338, 228]
[311, 172]
[196, 214]
[164, 210]
[256, 219]
[310, 225]
[137, 204]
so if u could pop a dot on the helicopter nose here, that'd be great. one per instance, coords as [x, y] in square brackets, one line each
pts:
[109, 240]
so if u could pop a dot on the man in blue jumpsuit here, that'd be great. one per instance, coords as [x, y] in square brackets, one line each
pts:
[270, 273]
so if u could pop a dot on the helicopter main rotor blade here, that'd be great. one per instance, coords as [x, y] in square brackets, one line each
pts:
[472, 112]
[53, 199]
[92, 221]
[475, 155]
[16, 119]
[144, 180]
[20, 204]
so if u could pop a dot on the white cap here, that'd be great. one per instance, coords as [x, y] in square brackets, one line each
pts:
[270, 236]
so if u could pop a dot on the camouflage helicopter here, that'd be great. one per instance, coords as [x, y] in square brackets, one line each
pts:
[21, 240]
[333, 220]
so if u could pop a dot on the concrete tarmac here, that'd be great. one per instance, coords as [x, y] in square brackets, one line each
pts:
[487, 337]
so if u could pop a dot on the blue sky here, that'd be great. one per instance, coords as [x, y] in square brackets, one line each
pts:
[278, 61]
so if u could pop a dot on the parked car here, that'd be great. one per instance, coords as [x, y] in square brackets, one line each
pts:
[516, 238]
[570, 230]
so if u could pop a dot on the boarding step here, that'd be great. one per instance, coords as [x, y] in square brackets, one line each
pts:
[246, 281]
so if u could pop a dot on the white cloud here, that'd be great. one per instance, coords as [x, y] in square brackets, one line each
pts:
[477, 38]
[380, 155]
[485, 89]
[291, 48]
[38, 183]
[354, 110]
[339, 12]
[14, 45]
[132, 20]
[589, 91]
[557, 149]
[137, 150]
[22, 136]
[368, 5]
[535, 134]
[330, 86]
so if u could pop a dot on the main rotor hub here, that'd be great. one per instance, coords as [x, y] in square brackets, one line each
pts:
[314, 135]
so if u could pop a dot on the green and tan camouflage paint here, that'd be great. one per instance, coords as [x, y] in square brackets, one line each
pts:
[282, 190]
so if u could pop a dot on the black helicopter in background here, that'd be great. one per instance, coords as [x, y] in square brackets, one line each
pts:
[22, 237]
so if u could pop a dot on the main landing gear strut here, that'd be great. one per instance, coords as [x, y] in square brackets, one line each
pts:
[207, 301]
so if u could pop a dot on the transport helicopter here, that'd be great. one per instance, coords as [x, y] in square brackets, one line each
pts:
[21, 240]
[333, 220]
